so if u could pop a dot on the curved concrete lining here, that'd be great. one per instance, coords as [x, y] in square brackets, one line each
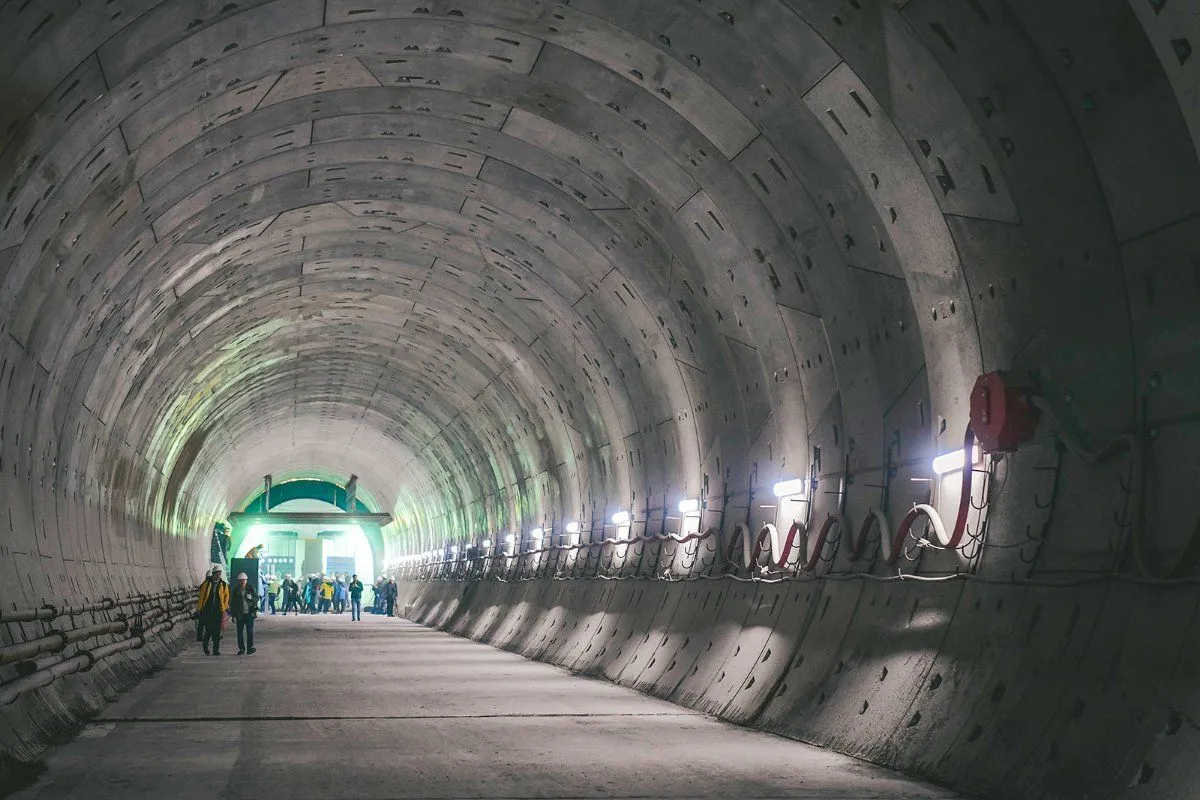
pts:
[522, 264]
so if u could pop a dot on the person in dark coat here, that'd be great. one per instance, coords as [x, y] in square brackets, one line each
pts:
[291, 595]
[356, 590]
[313, 594]
[377, 596]
[243, 607]
[390, 592]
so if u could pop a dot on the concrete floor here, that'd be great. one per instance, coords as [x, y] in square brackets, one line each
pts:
[328, 708]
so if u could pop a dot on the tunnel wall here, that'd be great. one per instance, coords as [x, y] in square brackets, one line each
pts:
[542, 262]
[1009, 691]
[68, 537]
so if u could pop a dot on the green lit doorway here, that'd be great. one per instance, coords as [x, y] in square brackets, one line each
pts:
[327, 548]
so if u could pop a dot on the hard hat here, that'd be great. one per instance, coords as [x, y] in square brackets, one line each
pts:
[243, 576]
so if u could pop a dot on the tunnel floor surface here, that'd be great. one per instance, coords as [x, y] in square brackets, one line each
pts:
[386, 709]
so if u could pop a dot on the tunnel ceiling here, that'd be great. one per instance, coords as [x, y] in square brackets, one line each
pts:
[515, 262]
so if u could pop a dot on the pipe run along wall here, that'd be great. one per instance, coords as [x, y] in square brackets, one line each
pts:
[59, 665]
[1012, 691]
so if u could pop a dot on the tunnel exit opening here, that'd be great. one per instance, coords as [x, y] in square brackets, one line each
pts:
[325, 548]
[307, 527]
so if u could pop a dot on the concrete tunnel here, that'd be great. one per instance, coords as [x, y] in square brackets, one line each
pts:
[645, 321]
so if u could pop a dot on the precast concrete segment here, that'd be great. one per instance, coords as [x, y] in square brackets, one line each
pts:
[587, 627]
[387, 709]
[748, 651]
[518, 263]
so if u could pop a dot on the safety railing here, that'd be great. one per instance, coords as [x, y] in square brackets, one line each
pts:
[64, 644]
[663, 556]
[692, 556]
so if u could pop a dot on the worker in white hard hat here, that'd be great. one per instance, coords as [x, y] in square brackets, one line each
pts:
[198, 617]
[273, 587]
[211, 606]
[243, 607]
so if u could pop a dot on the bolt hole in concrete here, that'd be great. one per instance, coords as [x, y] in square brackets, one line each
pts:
[390, 710]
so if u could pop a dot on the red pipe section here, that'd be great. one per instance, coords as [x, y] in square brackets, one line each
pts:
[860, 542]
[964, 505]
[789, 544]
[822, 538]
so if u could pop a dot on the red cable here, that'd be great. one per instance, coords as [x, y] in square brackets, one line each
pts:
[964, 504]
[860, 543]
[822, 537]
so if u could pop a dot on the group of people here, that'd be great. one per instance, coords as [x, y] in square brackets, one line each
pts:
[385, 590]
[320, 594]
[217, 602]
[317, 594]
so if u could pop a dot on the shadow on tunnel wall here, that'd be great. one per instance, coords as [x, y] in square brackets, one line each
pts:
[1010, 691]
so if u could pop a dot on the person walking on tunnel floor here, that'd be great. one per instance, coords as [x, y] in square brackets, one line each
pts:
[272, 592]
[243, 607]
[291, 595]
[310, 599]
[325, 592]
[390, 591]
[356, 590]
[339, 594]
[211, 605]
[377, 592]
[198, 617]
[315, 602]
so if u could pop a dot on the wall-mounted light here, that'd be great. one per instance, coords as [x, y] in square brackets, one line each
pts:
[689, 505]
[789, 488]
[537, 533]
[955, 460]
[620, 518]
[572, 527]
[453, 548]
[487, 543]
[509, 539]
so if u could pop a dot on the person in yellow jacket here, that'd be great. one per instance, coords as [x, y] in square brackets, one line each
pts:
[326, 590]
[211, 607]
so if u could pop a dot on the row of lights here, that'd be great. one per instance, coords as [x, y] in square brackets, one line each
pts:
[953, 461]
[793, 487]
[686, 506]
[956, 460]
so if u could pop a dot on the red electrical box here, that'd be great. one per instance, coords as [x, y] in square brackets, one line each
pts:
[1001, 415]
